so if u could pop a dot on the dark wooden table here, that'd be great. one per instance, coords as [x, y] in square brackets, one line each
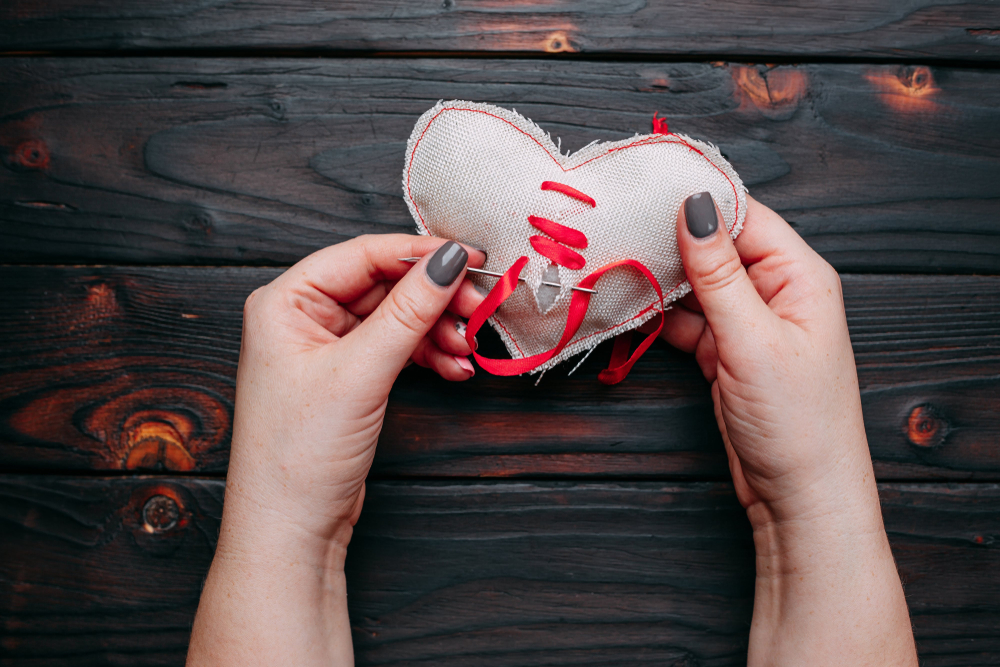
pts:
[162, 159]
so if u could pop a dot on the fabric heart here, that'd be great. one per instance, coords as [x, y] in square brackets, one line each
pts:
[490, 178]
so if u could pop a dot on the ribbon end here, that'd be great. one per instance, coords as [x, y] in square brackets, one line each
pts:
[660, 124]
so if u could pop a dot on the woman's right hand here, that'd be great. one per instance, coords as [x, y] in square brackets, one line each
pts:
[766, 323]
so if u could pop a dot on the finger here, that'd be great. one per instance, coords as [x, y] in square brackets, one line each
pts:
[389, 336]
[690, 301]
[707, 355]
[449, 335]
[766, 234]
[369, 301]
[466, 300]
[683, 328]
[728, 299]
[345, 272]
[462, 304]
[774, 254]
[454, 368]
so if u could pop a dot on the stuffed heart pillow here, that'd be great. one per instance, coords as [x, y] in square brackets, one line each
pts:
[603, 218]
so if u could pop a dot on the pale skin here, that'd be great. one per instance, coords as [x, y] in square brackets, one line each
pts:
[324, 342]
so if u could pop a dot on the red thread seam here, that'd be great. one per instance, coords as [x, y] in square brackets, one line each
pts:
[569, 192]
[561, 233]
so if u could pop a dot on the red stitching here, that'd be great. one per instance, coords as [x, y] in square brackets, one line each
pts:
[510, 335]
[640, 142]
[559, 254]
[569, 192]
[561, 233]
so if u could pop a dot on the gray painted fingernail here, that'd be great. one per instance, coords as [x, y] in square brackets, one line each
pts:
[446, 263]
[482, 290]
[699, 210]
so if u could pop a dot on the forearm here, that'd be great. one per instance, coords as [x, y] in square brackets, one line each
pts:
[273, 596]
[827, 589]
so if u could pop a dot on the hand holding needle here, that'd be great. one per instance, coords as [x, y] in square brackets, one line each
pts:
[484, 272]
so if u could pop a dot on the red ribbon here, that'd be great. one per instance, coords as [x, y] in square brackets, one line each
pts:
[569, 192]
[620, 364]
[560, 233]
[559, 254]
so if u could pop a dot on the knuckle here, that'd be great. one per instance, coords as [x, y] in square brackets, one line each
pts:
[253, 302]
[409, 312]
[826, 279]
[720, 274]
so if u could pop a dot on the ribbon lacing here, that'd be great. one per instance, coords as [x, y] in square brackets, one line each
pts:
[621, 363]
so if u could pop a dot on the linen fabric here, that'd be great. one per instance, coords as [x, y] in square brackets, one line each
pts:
[473, 173]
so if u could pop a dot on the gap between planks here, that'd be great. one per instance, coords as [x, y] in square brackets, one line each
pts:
[349, 54]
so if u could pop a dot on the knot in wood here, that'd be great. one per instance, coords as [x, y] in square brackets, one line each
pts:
[156, 438]
[917, 80]
[773, 91]
[926, 427]
[32, 154]
[558, 42]
[160, 514]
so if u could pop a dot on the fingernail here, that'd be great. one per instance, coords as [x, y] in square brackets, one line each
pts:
[466, 365]
[699, 210]
[446, 263]
[461, 328]
[482, 290]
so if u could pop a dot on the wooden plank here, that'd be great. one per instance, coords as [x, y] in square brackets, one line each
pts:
[134, 369]
[882, 168]
[459, 573]
[884, 28]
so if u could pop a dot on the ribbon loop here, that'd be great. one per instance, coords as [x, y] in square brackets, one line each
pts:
[619, 367]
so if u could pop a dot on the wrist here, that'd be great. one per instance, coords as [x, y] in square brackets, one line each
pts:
[256, 530]
[827, 588]
[266, 585]
[835, 487]
[270, 500]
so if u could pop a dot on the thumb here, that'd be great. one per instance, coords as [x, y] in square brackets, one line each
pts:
[387, 337]
[728, 298]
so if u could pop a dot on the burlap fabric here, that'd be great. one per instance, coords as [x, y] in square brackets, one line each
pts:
[473, 173]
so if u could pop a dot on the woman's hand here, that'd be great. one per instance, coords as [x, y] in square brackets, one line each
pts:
[322, 346]
[772, 340]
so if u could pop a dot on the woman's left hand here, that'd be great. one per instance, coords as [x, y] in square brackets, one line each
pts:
[322, 346]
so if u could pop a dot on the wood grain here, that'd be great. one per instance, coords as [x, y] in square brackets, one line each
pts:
[134, 369]
[886, 29]
[882, 168]
[485, 573]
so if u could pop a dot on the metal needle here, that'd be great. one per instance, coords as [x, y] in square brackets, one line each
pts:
[484, 272]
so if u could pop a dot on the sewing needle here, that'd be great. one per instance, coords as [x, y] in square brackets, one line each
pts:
[484, 272]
